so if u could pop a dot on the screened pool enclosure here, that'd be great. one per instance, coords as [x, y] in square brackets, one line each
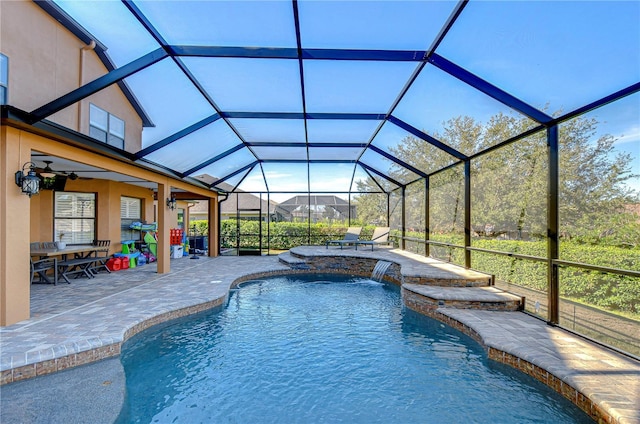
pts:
[501, 136]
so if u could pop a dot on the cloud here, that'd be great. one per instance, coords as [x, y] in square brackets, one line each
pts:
[630, 135]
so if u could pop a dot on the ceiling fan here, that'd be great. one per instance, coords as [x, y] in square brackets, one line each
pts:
[48, 177]
[54, 180]
[49, 173]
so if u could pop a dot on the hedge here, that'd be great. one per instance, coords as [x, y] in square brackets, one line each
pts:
[611, 291]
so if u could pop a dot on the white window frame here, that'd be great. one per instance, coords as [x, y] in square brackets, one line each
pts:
[130, 211]
[78, 223]
[106, 127]
[4, 79]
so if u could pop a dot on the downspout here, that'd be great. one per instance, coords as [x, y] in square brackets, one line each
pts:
[187, 216]
[185, 223]
[83, 49]
[219, 223]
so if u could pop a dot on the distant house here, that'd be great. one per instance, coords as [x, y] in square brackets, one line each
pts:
[319, 208]
[238, 204]
[244, 205]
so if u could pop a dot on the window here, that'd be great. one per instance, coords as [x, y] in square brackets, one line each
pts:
[129, 213]
[106, 127]
[74, 220]
[4, 79]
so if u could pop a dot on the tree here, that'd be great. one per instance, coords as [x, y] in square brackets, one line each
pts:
[371, 207]
[509, 184]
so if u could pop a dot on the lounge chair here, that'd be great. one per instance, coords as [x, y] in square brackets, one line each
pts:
[352, 235]
[380, 236]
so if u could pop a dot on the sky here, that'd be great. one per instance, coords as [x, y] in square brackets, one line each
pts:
[553, 55]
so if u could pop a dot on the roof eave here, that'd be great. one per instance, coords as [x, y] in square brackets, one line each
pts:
[86, 37]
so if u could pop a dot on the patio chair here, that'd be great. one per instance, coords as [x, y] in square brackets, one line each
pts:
[35, 245]
[49, 245]
[40, 268]
[352, 235]
[101, 257]
[380, 236]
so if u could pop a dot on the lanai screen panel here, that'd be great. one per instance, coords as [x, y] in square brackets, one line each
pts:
[254, 181]
[126, 41]
[223, 23]
[228, 164]
[162, 85]
[280, 153]
[249, 85]
[286, 177]
[363, 182]
[371, 24]
[195, 148]
[335, 153]
[411, 149]
[340, 181]
[256, 130]
[564, 54]
[341, 130]
[350, 86]
[590, 206]
[235, 180]
[388, 167]
[457, 114]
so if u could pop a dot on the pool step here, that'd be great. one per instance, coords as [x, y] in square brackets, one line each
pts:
[426, 299]
[294, 262]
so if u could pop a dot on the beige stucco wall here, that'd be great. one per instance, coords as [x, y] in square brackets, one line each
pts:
[14, 220]
[46, 62]
[24, 219]
[108, 194]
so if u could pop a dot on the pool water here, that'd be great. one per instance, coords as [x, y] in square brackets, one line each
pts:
[324, 349]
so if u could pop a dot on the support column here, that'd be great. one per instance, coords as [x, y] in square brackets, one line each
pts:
[164, 224]
[403, 231]
[15, 215]
[388, 209]
[427, 246]
[214, 227]
[467, 213]
[553, 241]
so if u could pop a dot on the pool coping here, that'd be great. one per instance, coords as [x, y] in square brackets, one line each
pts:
[199, 293]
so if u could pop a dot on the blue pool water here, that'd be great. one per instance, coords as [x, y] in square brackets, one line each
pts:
[324, 349]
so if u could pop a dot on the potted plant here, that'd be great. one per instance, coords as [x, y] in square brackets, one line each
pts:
[61, 244]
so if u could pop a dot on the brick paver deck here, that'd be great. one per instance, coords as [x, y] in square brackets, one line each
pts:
[89, 319]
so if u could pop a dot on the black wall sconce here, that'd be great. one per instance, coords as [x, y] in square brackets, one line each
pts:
[29, 183]
[172, 203]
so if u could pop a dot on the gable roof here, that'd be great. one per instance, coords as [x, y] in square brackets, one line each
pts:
[101, 50]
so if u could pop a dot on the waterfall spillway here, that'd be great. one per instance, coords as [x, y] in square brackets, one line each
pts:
[379, 270]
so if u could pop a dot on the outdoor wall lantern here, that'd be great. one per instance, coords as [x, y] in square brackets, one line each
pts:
[172, 203]
[29, 183]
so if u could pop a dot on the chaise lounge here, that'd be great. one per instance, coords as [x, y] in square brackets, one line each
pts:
[352, 236]
[380, 236]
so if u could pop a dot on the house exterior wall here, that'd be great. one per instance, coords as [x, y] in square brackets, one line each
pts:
[14, 221]
[24, 219]
[46, 61]
[108, 194]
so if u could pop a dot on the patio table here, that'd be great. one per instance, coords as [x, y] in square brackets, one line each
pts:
[81, 251]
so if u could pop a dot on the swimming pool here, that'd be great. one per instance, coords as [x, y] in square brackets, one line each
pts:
[324, 348]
